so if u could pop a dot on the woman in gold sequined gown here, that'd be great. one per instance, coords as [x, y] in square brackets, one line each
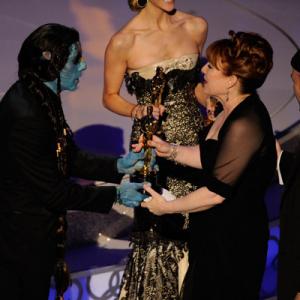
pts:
[158, 36]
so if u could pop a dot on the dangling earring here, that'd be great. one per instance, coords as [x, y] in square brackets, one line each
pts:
[210, 110]
[141, 3]
[227, 96]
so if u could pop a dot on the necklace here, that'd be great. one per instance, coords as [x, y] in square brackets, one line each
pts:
[63, 133]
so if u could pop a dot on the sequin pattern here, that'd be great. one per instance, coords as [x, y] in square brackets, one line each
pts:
[152, 269]
[184, 120]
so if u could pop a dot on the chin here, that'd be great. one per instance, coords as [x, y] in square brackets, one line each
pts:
[170, 9]
[172, 2]
[70, 88]
[168, 5]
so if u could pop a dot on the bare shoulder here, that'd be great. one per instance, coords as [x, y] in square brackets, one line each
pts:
[195, 24]
[196, 27]
[125, 38]
[121, 41]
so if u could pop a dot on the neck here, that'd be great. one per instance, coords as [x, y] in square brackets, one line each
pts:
[155, 17]
[232, 101]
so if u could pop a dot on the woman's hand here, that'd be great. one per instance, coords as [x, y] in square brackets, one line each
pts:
[139, 146]
[163, 149]
[139, 111]
[156, 203]
[157, 111]
[131, 162]
[129, 194]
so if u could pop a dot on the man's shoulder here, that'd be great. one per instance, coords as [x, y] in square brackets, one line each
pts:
[18, 102]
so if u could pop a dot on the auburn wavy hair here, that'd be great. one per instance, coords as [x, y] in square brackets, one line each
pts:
[245, 54]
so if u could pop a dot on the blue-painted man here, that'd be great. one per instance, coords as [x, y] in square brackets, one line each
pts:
[37, 157]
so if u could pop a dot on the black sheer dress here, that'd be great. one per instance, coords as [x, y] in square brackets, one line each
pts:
[228, 243]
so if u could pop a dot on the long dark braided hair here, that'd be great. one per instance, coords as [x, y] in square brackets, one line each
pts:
[34, 69]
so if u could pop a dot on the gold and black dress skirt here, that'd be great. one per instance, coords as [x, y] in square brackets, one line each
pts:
[155, 268]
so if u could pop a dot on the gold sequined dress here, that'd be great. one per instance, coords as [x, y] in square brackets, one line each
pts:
[159, 243]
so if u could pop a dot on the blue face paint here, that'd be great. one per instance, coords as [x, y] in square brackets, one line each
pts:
[69, 75]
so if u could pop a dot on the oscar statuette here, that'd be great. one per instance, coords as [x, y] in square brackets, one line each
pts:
[149, 127]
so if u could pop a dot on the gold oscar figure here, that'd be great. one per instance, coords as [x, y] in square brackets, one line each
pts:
[151, 126]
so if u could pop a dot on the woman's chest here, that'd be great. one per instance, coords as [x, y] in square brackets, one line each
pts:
[154, 47]
[213, 133]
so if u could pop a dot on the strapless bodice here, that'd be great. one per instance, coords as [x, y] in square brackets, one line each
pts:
[184, 62]
[180, 74]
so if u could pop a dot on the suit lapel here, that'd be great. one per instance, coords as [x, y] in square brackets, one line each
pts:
[293, 173]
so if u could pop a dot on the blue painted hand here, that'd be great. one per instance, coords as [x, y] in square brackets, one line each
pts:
[129, 195]
[134, 161]
[131, 162]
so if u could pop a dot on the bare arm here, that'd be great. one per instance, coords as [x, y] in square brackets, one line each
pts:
[115, 66]
[114, 69]
[198, 30]
[186, 155]
[199, 200]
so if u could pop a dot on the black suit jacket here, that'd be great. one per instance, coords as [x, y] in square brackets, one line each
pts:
[33, 193]
[289, 250]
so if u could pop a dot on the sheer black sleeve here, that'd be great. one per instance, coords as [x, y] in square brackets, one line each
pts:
[238, 142]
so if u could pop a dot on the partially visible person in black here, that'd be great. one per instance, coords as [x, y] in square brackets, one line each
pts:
[289, 246]
[37, 157]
